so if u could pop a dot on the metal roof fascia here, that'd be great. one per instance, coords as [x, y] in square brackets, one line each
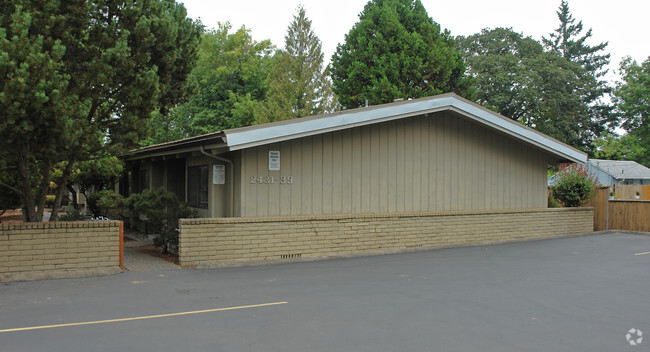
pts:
[261, 136]
[517, 130]
[239, 140]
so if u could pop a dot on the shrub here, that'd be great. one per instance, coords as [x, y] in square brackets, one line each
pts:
[107, 204]
[573, 186]
[162, 210]
[73, 214]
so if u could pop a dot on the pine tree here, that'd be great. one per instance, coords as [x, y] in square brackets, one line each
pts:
[569, 42]
[298, 83]
[396, 51]
[82, 78]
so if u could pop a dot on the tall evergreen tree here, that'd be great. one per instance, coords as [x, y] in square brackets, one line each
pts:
[82, 78]
[396, 51]
[569, 42]
[298, 82]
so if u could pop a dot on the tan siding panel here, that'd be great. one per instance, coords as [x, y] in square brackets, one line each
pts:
[427, 163]
[296, 174]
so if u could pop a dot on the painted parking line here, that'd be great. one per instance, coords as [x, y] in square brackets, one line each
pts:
[142, 317]
[642, 253]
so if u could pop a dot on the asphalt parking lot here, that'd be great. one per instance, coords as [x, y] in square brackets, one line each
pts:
[574, 294]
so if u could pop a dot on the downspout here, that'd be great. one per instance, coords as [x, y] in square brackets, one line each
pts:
[232, 178]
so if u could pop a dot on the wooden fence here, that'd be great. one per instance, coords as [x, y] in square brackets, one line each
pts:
[630, 215]
[629, 192]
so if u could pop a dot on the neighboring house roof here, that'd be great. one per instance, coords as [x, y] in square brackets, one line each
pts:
[245, 137]
[622, 170]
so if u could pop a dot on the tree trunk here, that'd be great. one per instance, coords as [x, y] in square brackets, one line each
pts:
[27, 198]
[59, 191]
[74, 196]
[43, 188]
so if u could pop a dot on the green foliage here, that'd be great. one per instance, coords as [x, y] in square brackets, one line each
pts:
[569, 42]
[396, 51]
[573, 186]
[96, 174]
[298, 82]
[162, 210]
[229, 79]
[523, 82]
[552, 202]
[107, 204]
[83, 77]
[73, 214]
[632, 97]
[626, 147]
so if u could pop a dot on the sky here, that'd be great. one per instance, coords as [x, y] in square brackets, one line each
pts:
[621, 23]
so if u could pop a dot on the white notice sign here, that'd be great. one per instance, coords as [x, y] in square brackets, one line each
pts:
[219, 174]
[274, 160]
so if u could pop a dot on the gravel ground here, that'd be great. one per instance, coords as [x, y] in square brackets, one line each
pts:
[136, 260]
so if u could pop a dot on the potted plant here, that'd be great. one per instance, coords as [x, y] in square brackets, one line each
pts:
[637, 195]
[611, 195]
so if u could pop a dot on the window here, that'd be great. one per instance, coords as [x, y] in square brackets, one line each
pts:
[197, 186]
[145, 176]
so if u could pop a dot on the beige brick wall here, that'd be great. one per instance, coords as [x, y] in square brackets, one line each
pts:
[59, 249]
[225, 241]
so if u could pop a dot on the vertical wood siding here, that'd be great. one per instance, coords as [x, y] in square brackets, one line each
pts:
[427, 163]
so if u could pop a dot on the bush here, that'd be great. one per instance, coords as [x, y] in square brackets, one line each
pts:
[552, 202]
[72, 214]
[107, 204]
[573, 186]
[162, 210]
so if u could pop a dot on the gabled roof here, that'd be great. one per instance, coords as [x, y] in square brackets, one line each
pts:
[622, 170]
[246, 137]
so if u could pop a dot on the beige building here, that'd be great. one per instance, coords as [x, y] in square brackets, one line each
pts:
[433, 154]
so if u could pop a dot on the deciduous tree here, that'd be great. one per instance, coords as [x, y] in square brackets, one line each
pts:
[230, 79]
[515, 76]
[632, 99]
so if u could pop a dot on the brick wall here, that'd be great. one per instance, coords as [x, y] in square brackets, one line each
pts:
[60, 249]
[226, 241]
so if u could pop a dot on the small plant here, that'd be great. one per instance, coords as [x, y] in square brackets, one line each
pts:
[107, 204]
[574, 186]
[162, 210]
[73, 214]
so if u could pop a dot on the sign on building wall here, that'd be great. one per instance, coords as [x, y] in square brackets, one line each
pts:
[219, 174]
[274, 160]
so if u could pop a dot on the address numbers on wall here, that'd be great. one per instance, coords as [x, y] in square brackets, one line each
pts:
[262, 180]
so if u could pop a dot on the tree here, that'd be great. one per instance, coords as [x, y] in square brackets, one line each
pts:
[162, 210]
[632, 100]
[569, 42]
[396, 51]
[84, 77]
[517, 78]
[94, 175]
[230, 79]
[298, 82]
[626, 147]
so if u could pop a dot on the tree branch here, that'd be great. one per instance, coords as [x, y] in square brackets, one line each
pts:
[13, 189]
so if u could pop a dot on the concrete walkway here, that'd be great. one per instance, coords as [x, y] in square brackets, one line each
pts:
[138, 261]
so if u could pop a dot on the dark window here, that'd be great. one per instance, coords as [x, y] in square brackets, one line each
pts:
[197, 186]
[145, 176]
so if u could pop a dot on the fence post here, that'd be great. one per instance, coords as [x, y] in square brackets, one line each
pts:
[122, 244]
